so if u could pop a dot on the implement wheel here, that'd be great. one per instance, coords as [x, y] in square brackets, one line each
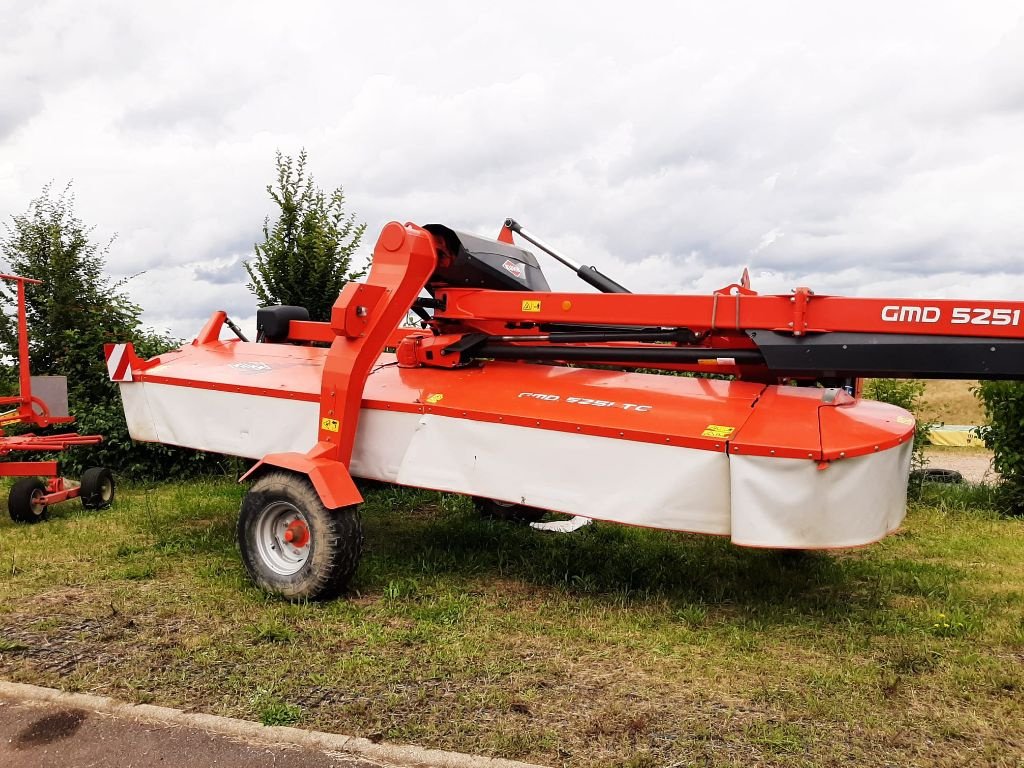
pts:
[291, 544]
[25, 503]
[97, 490]
[507, 510]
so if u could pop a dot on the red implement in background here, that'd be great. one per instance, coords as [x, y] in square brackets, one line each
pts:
[30, 497]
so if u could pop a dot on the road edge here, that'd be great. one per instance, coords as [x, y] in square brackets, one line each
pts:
[277, 735]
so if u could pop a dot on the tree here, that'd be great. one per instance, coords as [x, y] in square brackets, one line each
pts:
[70, 316]
[75, 301]
[305, 258]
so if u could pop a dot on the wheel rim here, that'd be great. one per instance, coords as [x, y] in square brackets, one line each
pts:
[283, 538]
[106, 490]
[36, 504]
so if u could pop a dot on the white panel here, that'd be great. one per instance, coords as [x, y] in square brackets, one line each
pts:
[791, 503]
[223, 422]
[52, 390]
[761, 501]
[136, 412]
[637, 483]
[382, 439]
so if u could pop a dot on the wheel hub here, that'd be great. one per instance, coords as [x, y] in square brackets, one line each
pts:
[37, 502]
[283, 538]
[297, 533]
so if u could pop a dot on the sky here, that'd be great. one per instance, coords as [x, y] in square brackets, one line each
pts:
[872, 149]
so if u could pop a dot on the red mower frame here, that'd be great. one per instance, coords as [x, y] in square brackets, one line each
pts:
[485, 375]
[30, 498]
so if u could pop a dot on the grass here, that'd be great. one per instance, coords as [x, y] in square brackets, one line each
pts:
[274, 711]
[610, 647]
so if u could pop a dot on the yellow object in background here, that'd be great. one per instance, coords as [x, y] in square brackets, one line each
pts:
[962, 436]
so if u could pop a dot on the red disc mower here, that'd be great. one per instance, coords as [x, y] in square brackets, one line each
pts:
[532, 400]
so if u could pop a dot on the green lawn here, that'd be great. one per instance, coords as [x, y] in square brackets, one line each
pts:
[611, 646]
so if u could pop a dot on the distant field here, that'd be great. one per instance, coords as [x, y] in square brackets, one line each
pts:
[609, 647]
[951, 402]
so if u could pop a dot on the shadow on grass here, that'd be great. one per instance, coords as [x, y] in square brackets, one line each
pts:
[425, 538]
[412, 535]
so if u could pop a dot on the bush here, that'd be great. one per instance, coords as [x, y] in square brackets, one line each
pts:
[1004, 434]
[909, 395]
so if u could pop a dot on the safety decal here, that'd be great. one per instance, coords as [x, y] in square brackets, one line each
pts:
[905, 419]
[435, 399]
[330, 425]
[717, 430]
[118, 362]
[531, 306]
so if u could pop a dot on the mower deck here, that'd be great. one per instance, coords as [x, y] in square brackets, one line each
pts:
[661, 451]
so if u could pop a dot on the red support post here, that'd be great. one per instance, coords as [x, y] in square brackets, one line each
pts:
[362, 321]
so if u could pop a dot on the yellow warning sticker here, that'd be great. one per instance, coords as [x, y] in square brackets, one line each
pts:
[435, 399]
[331, 425]
[717, 430]
[531, 306]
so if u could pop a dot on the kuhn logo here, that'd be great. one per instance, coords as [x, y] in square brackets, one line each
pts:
[251, 367]
[896, 313]
[514, 268]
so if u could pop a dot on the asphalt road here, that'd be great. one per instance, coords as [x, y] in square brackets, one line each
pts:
[36, 735]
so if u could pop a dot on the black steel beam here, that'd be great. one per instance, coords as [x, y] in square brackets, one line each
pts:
[891, 355]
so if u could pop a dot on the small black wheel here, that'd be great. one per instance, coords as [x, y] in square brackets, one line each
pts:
[507, 510]
[97, 488]
[935, 475]
[291, 544]
[25, 501]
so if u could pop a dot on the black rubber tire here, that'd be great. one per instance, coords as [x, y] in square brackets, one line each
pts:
[335, 539]
[493, 509]
[936, 475]
[20, 502]
[98, 488]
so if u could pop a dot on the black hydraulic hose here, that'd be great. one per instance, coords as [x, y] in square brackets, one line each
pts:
[670, 335]
[599, 280]
[634, 355]
[589, 275]
[563, 337]
[235, 329]
[595, 328]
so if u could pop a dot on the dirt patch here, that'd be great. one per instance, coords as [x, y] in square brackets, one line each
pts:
[974, 465]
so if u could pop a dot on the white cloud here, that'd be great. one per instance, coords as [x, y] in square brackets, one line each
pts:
[871, 148]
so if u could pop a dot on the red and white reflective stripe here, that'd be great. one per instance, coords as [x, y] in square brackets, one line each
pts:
[119, 363]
